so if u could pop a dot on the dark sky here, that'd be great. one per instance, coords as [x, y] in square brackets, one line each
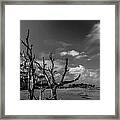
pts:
[79, 40]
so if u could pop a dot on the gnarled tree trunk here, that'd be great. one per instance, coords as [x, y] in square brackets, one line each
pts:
[54, 93]
[31, 94]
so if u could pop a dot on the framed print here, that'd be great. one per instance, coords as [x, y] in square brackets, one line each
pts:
[59, 60]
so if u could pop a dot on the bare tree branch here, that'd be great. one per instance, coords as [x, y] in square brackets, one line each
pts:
[65, 71]
[39, 66]
[52, 61]
[44, 72]
[67, 82]
[31, 70]
[27, 37]
[25, 44]
[52, 68]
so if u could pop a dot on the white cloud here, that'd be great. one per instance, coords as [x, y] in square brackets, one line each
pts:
[71, 53]
[90, 76]
[77, 70]
[89, 59]
[87, 75]
[63, 53]
[81, 55]
[75, 54]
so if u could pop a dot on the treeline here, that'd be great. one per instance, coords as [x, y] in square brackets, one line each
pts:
[39, 84]
[81, 85]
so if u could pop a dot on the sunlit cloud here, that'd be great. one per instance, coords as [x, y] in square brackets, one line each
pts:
[71, 53]
[77, 70]
[87, 75]
[89, 59]
[81, 55]
[63, 53]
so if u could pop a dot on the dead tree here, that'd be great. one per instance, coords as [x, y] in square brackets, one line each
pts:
[49, 73]
[28, 64]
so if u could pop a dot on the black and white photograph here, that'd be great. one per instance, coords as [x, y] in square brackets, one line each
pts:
[60, 60]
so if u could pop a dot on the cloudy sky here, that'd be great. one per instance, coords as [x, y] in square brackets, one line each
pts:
[78, 40]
